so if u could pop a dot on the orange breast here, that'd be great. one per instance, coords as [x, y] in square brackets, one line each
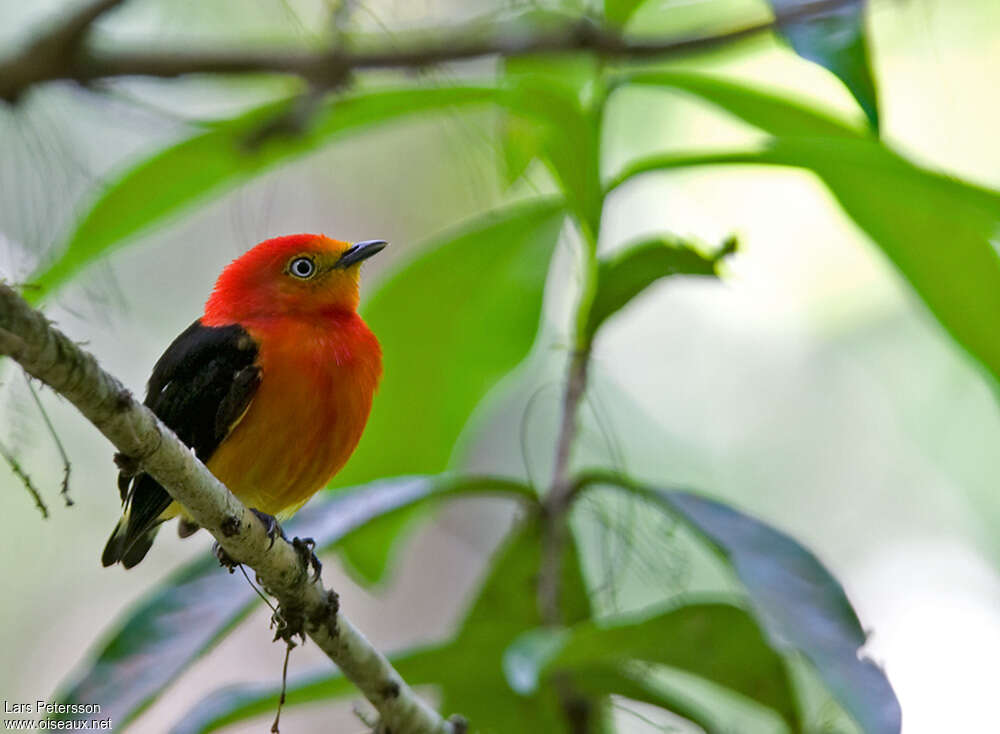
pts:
[317, 383]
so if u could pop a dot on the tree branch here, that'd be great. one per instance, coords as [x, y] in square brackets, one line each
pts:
[49, 355]
[49, 55]
[332, 68]
[560, 494]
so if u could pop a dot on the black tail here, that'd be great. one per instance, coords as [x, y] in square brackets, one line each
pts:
[125, 549]
[134, 533]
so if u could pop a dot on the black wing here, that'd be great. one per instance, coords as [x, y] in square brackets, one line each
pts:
[200, 388]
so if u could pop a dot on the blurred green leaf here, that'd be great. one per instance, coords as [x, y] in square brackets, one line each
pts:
[521, 141]
[452, 323]
[836, 40]
[940, 233]
[506, 607]
[188, 614]
[551, 114]
[625, 275]
[211, 162]
[771, 112]
[240, 702]
[524, 660]
[639, 686]
[617, 12]
[525, 137]
[369, 552]
[717, 641]
[800, 605]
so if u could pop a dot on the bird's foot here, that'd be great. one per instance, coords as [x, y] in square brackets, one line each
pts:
[270, 524]
[225, 559]
[306, 548]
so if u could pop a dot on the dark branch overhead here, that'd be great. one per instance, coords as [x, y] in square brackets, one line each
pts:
[62, 55]
[53, 53]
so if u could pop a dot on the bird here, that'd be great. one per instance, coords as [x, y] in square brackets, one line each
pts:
[271, 388]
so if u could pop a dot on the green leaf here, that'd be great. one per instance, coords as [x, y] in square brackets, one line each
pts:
[552, 115]
[800, 605]
[240, 702]
[773, 113]
[638, 686]
[451, 323]
[625, 275]
[528, 654]
[618, 12]
[940, 233]
[506, 607]
[186, 616]
[521, 141]
[836, 40]
[525, 134]
[368, 552]
[717, 641]
[219, 159]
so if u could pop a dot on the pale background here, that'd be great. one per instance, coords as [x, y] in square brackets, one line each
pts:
[811, 388]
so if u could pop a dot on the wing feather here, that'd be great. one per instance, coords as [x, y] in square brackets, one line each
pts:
[201, 387]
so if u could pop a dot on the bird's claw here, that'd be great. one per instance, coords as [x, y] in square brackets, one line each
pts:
[306, 548]
[225, 559]
[271, 526]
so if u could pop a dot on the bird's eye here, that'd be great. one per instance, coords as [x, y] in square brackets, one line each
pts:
[302, 267]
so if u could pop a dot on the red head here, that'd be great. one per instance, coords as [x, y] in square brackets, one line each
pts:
[298, 275]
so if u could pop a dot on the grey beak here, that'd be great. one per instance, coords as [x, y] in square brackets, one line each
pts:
[360, 251]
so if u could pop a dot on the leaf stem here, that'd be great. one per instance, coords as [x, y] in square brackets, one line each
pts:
[559, 497]
[560, 494]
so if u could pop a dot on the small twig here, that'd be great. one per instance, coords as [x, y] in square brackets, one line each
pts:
[261, 594]
[64, 490]
[284, 687]
[15, 467]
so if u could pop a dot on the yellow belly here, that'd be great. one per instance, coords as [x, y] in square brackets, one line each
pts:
[289, 445]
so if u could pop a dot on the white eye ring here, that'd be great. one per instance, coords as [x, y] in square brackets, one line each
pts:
[302, 267]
